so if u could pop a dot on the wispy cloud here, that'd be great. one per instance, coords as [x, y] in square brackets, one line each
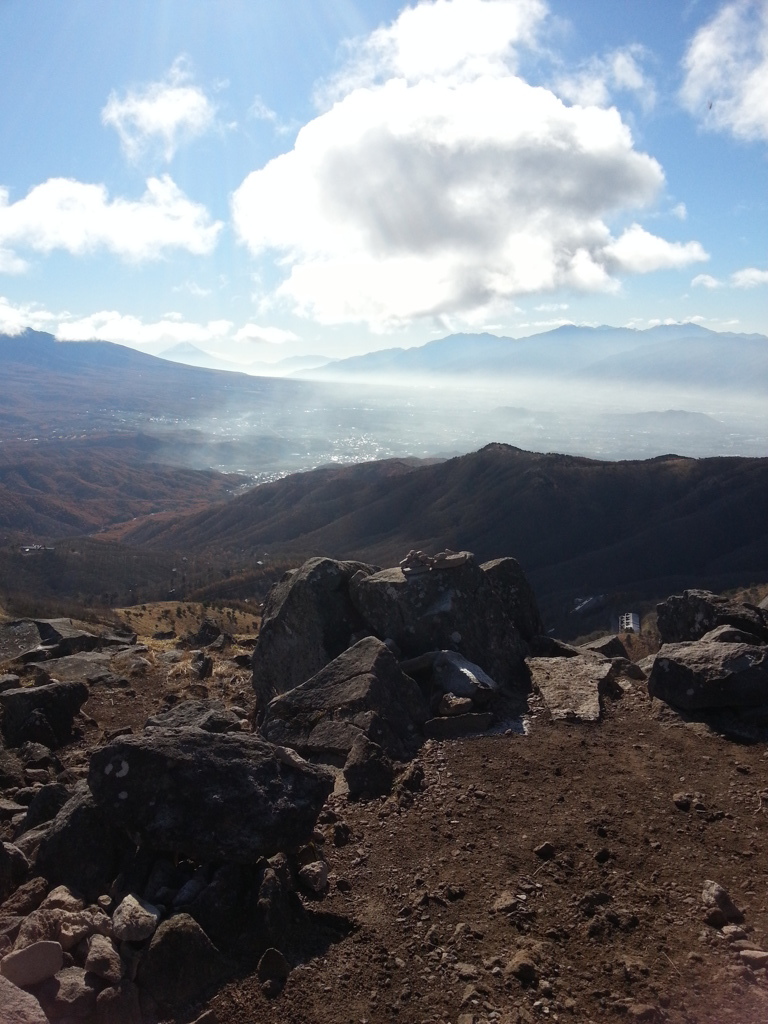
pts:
[749, 277]
[706, 281]
[726, 71]
[596, 81]
[160, 116]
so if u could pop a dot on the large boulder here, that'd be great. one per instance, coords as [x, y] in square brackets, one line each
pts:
[81, 850]
[64, 637]
[511, 584]
[308, 620]
[18, 1006]
[41, 714]
[696, 676]
[457, 609]
[362, 691]
[208, 796]
[688, 616]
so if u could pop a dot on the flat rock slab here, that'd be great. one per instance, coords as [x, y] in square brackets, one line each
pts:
[89, 667]
[209, 796]
[571, 687]
[32, 964]
[698, 676]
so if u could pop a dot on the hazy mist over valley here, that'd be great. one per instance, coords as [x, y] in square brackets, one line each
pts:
[602, 393]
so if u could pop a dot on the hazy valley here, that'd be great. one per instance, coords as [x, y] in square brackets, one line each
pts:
[159, 459]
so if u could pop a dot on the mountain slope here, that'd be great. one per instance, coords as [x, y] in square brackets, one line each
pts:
[578, 526]
[79, 486]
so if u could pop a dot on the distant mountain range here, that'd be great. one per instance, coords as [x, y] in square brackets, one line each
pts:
[191, 355]
[684, 353]
[578, 526]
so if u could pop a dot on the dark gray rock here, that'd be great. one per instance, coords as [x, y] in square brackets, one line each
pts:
[81, 850]
[688, 616]
[90, 667]
[511, 584]
[210, 715]
[64, 637]
[609, 646]
[368, 771]
[14, 868]
[730, 635]
[45, 805]
[544, 646]
[453, 610]
[181, 963]
[11, 769]
[223, 907]
[41, 714]
[363, 688]
[694, 676]
[70, 994]
[308, 620]
[209, 796]
[119, 1004]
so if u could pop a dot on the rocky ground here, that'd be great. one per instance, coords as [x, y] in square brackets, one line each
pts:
[557, 874]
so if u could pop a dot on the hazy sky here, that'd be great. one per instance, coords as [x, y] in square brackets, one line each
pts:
[333, 176]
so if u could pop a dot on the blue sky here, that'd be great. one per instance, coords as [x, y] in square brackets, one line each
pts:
[312, 176]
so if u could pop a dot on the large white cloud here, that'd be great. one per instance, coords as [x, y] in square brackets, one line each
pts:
[161, 115]
[726, 71]
[81, 218]
[439, 182]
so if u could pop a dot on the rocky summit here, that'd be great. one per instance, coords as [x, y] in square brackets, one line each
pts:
[401, 800]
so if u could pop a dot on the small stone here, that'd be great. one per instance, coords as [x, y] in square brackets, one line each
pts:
[522, 967]
[545, 852]
[682, 801]
[273, 970]
[103, 959]
[135, 920]
[450, 704]
[754, 958]
[315, 876]
[467, 972]
[720, 908]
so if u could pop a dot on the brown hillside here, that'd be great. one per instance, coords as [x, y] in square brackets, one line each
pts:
[578, 526]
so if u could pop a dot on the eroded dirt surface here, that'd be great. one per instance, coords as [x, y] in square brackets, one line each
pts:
[460, 920]
[457, 918]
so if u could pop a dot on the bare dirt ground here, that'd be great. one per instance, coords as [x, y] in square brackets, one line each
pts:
[458, 915]
[460, 920]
